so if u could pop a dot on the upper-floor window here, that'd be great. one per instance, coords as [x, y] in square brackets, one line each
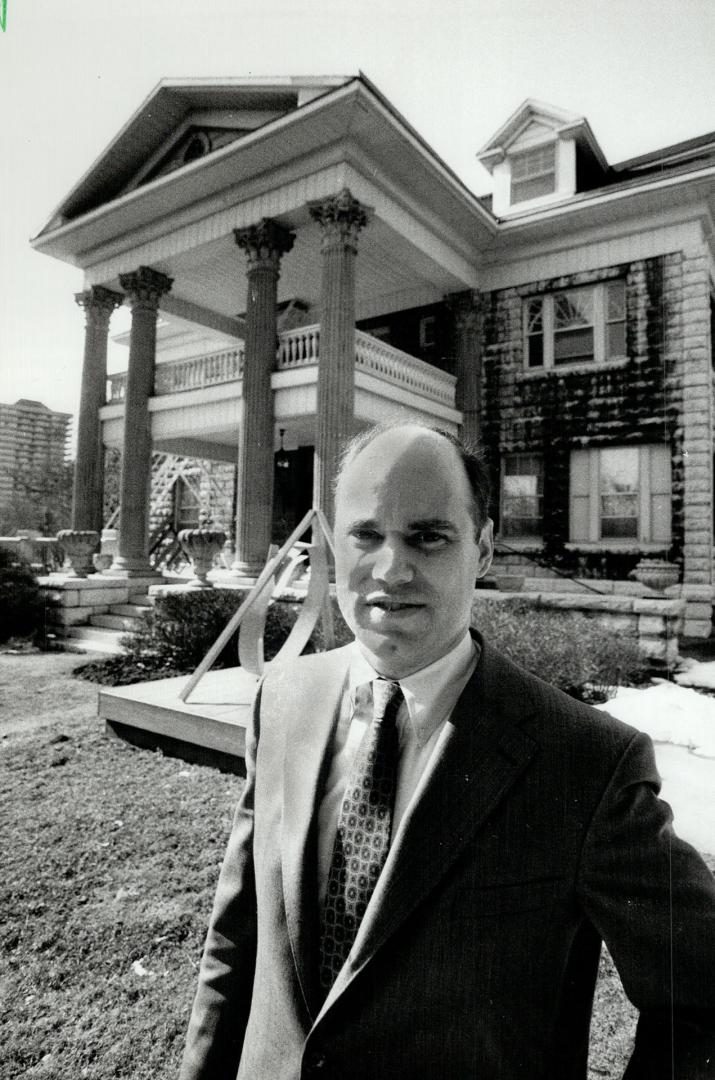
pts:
[576, 325]
[533, 173]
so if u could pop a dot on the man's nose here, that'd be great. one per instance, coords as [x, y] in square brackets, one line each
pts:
[393, 564]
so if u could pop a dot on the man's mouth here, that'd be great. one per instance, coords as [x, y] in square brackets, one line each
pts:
[390, 604]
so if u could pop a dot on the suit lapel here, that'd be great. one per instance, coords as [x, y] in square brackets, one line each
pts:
[483, 755]
[311, 706]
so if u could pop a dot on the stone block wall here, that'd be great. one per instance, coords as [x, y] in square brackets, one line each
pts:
[655, 623]
[662, 393]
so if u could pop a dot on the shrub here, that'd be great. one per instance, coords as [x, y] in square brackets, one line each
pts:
[22, 602]
[180, 629]
[568, 649]
[565, 648]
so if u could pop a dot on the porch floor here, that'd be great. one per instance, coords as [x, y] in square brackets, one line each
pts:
[214, 718]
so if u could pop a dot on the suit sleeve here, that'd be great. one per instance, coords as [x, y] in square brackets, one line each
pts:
[223, 999]
[652, 899]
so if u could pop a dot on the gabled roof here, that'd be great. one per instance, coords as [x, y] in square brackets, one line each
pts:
[163, 117]
[141, 179]
[531, 113]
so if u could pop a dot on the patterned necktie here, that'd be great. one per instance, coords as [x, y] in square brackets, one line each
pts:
[364, 828]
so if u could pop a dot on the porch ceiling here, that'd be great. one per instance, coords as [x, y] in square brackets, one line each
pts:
[391, 273]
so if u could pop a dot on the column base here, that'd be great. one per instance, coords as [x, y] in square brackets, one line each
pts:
[124, 567]
[246, 572]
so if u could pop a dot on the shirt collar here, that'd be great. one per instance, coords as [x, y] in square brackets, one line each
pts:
[431, 693]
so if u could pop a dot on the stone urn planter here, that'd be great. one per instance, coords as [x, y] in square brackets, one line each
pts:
[201, 546]
[79, 545]
[657, 574]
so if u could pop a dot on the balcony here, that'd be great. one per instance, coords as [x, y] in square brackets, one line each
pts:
[300, 348]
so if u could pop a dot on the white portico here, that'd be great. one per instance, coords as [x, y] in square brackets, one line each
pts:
[264, 219]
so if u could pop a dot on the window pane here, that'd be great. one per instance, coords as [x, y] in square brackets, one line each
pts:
[618, 482]
[542, 159]
[618, 469]
[619, 505]
[573, 345]
[521, 527]
[533, 173]
[516, 486]
[531, 189]
[535, 316]
[619, 528]
[535, 357]
[522, 488]
[573, 308]
[616, 300]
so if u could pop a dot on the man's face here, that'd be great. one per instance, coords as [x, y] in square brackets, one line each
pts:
[406, 549]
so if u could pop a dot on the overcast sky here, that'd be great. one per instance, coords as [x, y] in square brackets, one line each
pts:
[641, 71]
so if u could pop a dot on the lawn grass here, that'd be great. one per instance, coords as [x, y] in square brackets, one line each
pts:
[111, 856]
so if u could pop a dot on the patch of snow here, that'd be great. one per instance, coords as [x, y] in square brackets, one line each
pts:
[669, 714]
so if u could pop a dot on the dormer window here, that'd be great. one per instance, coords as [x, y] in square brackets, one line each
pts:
[533, 173]
[541, 156]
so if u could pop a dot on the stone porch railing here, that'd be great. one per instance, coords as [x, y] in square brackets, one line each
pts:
[298, 348]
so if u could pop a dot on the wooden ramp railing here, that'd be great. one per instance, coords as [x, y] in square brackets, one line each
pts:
[250, 617]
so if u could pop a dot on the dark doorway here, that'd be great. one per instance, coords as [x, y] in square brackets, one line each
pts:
[292, 490]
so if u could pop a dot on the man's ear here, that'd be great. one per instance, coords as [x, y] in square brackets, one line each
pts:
[485, 543]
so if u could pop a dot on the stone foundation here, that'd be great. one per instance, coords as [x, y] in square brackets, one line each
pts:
[74, 600]
[657, 623]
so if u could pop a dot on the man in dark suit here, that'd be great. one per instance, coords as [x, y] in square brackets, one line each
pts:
[432, 843]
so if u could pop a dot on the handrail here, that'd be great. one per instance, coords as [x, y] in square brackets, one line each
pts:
[266, 573]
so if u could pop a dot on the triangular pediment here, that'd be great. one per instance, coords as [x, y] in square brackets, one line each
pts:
[181, 122]
[535, 122]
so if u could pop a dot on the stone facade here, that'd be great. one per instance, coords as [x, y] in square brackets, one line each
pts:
[662, 393]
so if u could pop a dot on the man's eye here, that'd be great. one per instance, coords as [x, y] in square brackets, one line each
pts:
[364, 536]
[428, 539]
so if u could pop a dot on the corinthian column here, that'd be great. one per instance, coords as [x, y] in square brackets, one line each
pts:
[144, 287]
[466, 316]
[264, 245]
[88, 491]
[341, 218]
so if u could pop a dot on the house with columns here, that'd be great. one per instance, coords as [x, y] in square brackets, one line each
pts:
[298, 263]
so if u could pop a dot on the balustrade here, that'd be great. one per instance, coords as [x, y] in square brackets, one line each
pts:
[298, 348]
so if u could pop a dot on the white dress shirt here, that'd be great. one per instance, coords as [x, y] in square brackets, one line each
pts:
[429, 698]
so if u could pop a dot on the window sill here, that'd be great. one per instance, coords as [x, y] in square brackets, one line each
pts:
[591, 365]
[508, 546]
[628, 547]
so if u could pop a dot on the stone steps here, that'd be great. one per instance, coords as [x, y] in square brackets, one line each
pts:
[132, 610]
[104, 631]
[126, 624]
[93, 639]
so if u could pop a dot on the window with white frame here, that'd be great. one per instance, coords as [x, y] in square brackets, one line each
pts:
[621, 494]
[576, 326]
[533, 173]
[522, 495]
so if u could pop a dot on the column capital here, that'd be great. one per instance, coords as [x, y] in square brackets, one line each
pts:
[341, 217]
[98, 302]
[145, 287]
[264, 243]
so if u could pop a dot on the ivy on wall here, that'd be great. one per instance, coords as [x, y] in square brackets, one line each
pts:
[556, 411]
